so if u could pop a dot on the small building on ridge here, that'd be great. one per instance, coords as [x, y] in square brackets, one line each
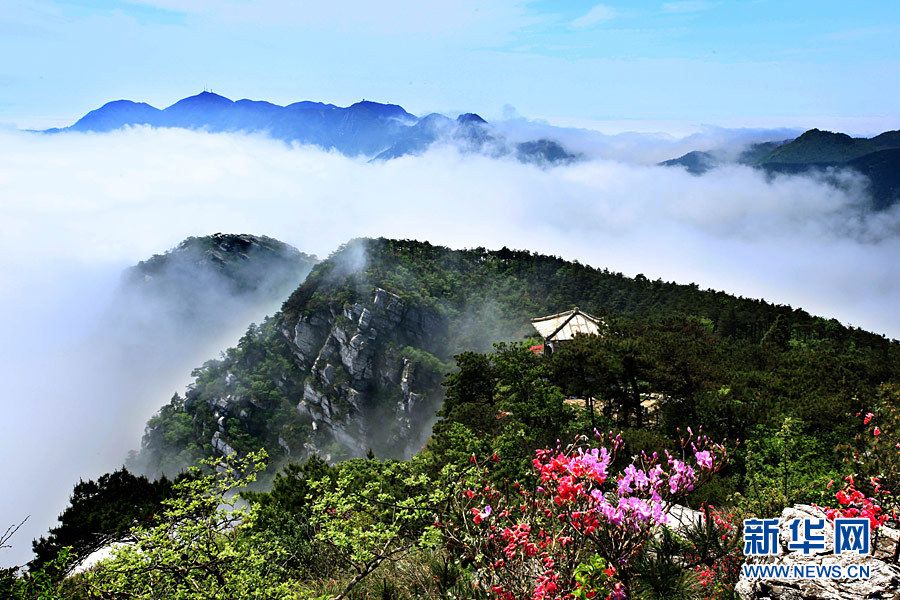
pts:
[562, 327]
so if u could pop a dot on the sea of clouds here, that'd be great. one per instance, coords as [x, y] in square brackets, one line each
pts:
[76, 209]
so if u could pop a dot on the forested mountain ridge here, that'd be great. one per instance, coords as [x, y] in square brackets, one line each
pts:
[355, 358]
[878, 158]
[817, 147]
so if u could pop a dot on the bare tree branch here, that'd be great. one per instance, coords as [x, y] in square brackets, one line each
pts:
[10, 532]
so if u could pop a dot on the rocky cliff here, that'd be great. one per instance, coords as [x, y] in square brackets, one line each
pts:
[341, 379]
[355, 358]
[365, 387]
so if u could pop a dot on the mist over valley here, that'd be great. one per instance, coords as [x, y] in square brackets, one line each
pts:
[164, 300]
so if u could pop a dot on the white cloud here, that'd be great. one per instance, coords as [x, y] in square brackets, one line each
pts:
[76, 208]
[459, 18]
[599, 13]
[687, 6]
[624, 141]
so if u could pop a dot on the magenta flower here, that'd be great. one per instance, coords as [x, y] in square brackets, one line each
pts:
[704, 459]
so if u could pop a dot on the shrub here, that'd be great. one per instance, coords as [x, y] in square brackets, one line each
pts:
[532, 543]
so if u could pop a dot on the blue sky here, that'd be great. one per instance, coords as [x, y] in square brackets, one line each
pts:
[616, 65]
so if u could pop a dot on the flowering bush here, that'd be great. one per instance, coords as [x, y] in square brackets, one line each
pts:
[871, 490]
[852, 503]
[874, 457]
[535, 543]
[715, 553]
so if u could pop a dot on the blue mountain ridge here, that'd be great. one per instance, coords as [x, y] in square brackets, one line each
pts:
[369, 129]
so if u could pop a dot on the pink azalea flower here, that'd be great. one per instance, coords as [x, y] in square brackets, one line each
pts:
[704, 459]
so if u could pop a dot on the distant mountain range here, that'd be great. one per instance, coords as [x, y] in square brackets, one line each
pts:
[878, 158]
[382, 132]
[369, 129]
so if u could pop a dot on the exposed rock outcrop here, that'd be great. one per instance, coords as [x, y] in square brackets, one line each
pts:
[359, 374]
[221, 446]
[361, 389]
[682, 519]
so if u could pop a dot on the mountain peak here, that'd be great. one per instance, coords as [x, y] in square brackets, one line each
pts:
[204, 99]
[367, 128]
[309, 104]
[888, 137]
[241, 262]
[123, 104]
[470, 118]
[113, 114]
[819, 135]
[380, 110]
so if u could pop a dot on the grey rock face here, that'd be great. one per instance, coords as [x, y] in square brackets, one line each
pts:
[221, 445]
[681, 518]
[360, 390]
[307, 337]
[884, 582]
[355, 380]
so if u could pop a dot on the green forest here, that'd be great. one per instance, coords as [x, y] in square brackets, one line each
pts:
[543, 476]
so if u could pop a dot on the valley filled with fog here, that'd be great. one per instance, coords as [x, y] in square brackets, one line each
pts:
[80, 208]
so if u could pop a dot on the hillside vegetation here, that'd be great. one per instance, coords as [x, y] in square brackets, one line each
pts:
[765, 361]
[818, 147]
[823, 153]
[732, 406]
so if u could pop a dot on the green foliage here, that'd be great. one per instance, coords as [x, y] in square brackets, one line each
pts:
[778, 337]
[603, 368]
[426, 360]
[370, 528]
[262, 382]
[824, 147]
[170, 439]
[662, 575]
[872, 459]
[590, 576]
[420, 574]
[511, 402]
[713, 551]
[785, 466]
[99, 512]
[285, 512]
[453, 444]
[43, 583]
[367, 512]
[469, 398]
[776, 379]
[358, 522]
[707, 357]
[498, 291]
[506, 396]
[203, 545]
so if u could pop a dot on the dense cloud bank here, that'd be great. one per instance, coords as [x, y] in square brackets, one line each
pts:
[75, 209]
[641, 147]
